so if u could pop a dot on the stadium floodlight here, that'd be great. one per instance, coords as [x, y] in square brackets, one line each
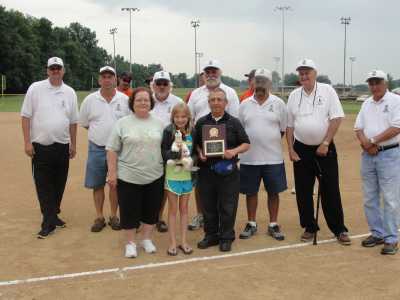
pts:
[113, 31]
[130, 10]
[352, 59]
[195, 24]
[283, 10]
[345, 22]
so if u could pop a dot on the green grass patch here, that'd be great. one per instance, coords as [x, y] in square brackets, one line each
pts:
[13, 103]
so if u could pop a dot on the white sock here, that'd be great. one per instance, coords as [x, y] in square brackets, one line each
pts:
[272, 224]
[252, 223]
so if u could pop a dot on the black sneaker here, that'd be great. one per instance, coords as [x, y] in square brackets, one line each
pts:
[248, 231]
[372, 241]
[207, 242]
[162, 226]
[389, 249]
[225, 245]
[276, 232]
[60, 223]
[45, 232]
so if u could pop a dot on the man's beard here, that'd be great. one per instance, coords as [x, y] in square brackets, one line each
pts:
[213, 82]
[260, 91]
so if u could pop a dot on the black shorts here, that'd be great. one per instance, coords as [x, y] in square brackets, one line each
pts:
[139, 203]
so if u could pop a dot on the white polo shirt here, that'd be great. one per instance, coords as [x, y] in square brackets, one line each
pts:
[198, 102]
[162, 109]
[51, 110]
[377, 116]
[263, 124]
[309, 115]
[99, 116]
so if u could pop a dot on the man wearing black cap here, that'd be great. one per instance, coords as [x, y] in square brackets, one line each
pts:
[124, 83]
[49, 123]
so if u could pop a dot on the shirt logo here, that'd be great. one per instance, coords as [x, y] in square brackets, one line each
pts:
[386, 109]
[271, 109]
[118, 107]
[319, 101]
[63, 103]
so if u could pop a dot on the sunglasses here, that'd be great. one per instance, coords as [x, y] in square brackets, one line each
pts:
[162, 83]
[53, 68]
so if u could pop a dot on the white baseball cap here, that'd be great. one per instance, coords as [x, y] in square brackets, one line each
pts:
[376, 74]
[107, 69]
[306, 63]
[263, 73]
[55, 61]
[161, 75]
[213, 63]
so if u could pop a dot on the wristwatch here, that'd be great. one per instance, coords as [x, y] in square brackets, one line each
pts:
[372, 141]
[325, 143]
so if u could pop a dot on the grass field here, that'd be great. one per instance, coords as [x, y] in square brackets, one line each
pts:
[13, 103]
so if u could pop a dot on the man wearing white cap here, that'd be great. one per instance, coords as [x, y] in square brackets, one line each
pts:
[264, 117]
[199, 107]
[164, 101]
[378, 130]
[99, 111]
[49, 123]
[314, 116]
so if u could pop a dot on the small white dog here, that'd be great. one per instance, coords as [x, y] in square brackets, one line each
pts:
[185, 161]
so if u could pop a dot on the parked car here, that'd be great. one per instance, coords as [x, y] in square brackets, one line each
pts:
[362, 98]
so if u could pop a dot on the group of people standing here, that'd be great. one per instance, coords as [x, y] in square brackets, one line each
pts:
[148, 145]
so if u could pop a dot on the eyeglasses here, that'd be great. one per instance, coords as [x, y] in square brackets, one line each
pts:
[53, 68]
[162, 83]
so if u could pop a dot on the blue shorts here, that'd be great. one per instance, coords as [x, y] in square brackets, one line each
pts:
[96, 167]
[179, 187]
[273, 176]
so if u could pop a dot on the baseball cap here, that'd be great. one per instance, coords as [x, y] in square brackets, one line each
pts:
[376, 74]
[213, 63]
[107, 69]
[161, 75]
[250, 74]
[263, 73]
[306, 63]
[55, 61]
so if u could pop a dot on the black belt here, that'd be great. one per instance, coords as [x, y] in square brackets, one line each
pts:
[387, 147]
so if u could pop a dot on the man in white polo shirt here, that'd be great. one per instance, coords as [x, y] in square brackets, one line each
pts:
[49, 123]
[314, 116]
[199, 107]
[99, 111]
[164, 101]
[264, 117]
[378, 130]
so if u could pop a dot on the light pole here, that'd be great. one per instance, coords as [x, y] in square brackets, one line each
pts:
[352, 59]
[113, 31]
[199, 56]
[345, 22]
[277, 60]
[283, 9]
[195, 24]
[130, 10]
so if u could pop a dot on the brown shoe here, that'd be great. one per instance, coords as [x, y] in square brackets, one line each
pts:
[114, 223]
[162, 226]
[307, 236]
[98, 225]
[344, 239]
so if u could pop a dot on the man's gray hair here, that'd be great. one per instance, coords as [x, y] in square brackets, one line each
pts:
[216, 90]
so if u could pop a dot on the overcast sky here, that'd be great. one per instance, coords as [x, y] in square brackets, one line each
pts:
[241, 34]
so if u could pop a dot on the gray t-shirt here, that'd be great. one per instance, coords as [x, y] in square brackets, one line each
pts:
[137, 142]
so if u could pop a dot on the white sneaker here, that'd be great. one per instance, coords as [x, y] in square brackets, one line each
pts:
[293, 191]
[130, 250]
[148, 246]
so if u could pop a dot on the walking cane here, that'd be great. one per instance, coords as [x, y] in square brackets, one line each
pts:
[319, 175]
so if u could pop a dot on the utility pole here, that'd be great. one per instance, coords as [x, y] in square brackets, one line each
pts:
[195, 24]
[130, 10]
[113, 31]
[352, 59]
[283, 10]
[345, 22]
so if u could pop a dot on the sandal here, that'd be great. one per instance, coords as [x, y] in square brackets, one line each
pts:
[186, 250]
[172, 252]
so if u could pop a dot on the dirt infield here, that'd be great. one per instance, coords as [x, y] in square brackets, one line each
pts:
[327, 271]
